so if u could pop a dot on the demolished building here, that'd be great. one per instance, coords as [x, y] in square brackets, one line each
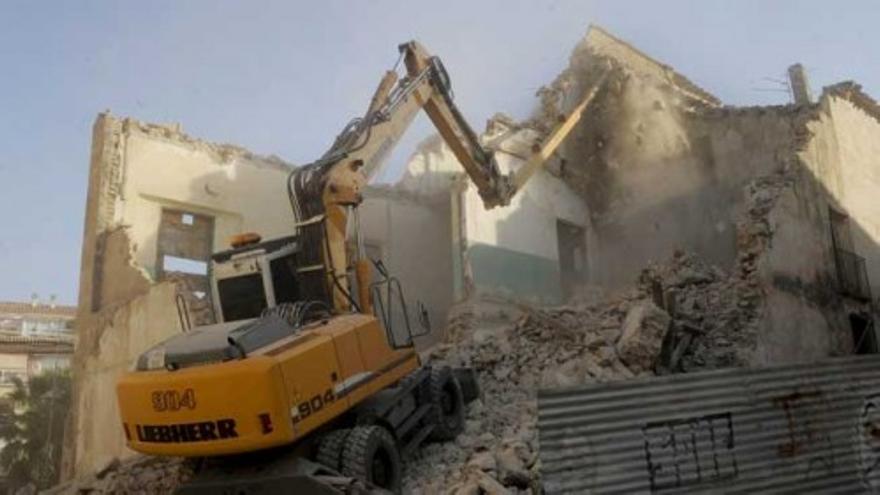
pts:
[765, 212]
[161, 202]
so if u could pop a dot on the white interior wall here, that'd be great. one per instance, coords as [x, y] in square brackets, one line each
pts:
[528, 223]
[859, 180]
[239, 193]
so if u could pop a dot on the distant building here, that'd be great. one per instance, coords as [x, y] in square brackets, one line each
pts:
[34, 338]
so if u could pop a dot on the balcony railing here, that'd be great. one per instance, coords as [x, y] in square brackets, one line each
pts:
[852, 276]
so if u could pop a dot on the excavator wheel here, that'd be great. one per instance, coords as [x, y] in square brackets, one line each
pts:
[330, 448]
[447, 400]
[371, 454]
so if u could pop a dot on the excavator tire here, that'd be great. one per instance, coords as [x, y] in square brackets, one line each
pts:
[447, 399]
[371, 454]
[330, 448]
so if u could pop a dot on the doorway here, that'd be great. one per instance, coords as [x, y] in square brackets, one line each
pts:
[864, 339]
[572, 246]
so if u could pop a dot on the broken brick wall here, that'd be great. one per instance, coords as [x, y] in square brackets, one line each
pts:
[834, 270]
[663, 166]
[659, 168]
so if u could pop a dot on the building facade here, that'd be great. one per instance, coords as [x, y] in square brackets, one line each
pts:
[34, 338]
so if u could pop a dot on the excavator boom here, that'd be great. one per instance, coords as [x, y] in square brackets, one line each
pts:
[324, 193]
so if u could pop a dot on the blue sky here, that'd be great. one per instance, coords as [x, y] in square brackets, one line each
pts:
[283, 77]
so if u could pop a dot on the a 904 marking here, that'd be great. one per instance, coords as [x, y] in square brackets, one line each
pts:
[173, 400]
[308, 407]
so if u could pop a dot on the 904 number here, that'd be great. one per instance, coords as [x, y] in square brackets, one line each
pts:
[173, 400]
[308, 407]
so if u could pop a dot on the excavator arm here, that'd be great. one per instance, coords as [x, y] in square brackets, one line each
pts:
[324, 195]
[494, 188]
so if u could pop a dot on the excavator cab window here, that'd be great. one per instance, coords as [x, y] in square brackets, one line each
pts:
[284, 282]
[242, 297]
[256, 277]
[389, 306]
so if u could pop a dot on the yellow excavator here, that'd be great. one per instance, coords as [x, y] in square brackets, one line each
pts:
[310, 381]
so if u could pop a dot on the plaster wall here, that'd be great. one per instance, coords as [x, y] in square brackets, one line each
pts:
[125, 332]
[509, 251]
[857, 182]
[239, 193]
[513, 250]
[137, 169]
[661, 178]
[663, 166]
[807, 317]
[803, 318]
[414, 240]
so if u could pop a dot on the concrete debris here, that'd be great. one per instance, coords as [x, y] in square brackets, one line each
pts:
[642, 337]
[685, 309]
[139, 475]
[714, 312]
[681, 315]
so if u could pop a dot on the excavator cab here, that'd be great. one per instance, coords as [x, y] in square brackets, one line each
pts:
[257, 301]
[248, 279]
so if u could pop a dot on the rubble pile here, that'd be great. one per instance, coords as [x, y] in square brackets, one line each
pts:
[716, 315]
[681, 315]
[139, 475]
[713, 314]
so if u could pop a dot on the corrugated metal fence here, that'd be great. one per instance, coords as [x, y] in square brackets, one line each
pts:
[811, 428]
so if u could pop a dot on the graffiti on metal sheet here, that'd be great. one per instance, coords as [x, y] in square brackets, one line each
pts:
[869, 441]
[808, 438]
[691, 451]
